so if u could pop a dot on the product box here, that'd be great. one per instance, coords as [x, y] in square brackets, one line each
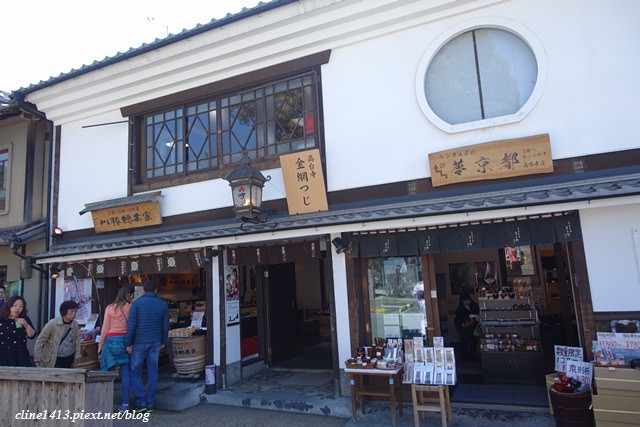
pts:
[418, 349]
[429, 356]
[429, 373]
[418, 374]
[616, 411]
[408, 351]
[622, 382]
[407, 376]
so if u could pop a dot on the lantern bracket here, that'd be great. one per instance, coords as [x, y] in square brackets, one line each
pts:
[256, 220]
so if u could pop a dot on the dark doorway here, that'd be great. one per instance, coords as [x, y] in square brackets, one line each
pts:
[281, 293]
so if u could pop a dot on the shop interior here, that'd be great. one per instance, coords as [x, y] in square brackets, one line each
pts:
[185, 293]
[524, 306]
[284, 311]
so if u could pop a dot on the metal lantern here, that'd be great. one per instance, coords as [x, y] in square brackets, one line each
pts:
[246, 188]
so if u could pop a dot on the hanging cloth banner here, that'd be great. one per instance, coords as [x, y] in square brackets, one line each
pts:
[274, 254]
[387, 244]
[565, 228]
[143, 264]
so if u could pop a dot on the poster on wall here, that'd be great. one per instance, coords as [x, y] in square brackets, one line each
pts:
[79, 290]
[486, 275]
[232, 295]
[461, 277]
[14, 289]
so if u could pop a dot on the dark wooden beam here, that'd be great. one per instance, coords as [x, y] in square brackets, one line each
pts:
[353, 283]
[582, 292]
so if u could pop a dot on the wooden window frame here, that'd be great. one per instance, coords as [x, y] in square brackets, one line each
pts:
[8, 150]
[137, 170]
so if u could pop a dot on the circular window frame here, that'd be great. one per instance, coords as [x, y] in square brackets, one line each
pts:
[510, 26]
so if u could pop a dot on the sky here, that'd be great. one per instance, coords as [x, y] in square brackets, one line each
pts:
[43, 38]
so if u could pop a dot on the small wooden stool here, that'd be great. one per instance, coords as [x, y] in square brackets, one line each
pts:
[443, 401]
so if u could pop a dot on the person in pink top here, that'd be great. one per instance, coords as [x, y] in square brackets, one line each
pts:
[111, 347]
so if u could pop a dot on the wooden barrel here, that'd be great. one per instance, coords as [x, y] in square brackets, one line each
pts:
[572, 409]
[189, 354]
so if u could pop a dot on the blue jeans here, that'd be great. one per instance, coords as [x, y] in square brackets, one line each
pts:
[125, 383]
[141, 353]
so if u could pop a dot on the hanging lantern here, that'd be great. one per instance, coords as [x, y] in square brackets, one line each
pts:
[246, 187]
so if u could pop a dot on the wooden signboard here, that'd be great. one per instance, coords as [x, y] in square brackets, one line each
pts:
[124, 217]
[492, 160]
[304, 182]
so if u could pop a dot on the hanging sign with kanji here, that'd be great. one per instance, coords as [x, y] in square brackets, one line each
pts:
[304, 182]
[128, 216]
[492, 160]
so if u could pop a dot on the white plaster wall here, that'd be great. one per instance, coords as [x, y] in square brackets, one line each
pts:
[375, 130]
[587, 106]
[612, 261]
[93, 167]
[215, 292]
[342, 304]
[233, 353]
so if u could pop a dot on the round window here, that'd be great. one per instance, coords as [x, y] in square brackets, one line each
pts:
[479, 75]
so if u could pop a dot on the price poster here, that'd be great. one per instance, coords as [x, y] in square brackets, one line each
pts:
[580, 371]
[232, 295]
[619, 341]
[564, 354]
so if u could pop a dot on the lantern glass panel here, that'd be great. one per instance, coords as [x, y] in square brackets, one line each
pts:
[256, 195]
[241, 195]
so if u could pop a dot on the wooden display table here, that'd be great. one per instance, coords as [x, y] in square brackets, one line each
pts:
[442, 403]
[359, 390]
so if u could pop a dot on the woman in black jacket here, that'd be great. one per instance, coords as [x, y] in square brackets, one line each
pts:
[466, 320]
[15, 328]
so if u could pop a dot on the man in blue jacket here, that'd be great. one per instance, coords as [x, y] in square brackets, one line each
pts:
[147, 333]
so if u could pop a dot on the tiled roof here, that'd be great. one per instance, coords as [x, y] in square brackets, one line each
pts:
[25, 233]
[156, 44]
[123, 201]
[586, 186]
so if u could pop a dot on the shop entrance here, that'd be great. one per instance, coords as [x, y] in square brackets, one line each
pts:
[285, 306]
[298, 316]
[502, 308]
[285, 312]
[281, 301]
[523, 303]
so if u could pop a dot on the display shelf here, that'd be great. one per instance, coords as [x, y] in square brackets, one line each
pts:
[498, 317]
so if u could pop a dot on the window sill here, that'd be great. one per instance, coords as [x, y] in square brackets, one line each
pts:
[173, 181]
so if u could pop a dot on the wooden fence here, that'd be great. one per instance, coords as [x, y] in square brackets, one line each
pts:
[30, 392]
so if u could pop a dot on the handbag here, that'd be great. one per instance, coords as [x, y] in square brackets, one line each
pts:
[477, 331]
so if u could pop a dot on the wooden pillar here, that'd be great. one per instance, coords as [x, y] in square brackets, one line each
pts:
[431, 303]
[582, 293]
[354, 293]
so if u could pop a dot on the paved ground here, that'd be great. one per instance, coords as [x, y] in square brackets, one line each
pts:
[207, 414]
[378, 414]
